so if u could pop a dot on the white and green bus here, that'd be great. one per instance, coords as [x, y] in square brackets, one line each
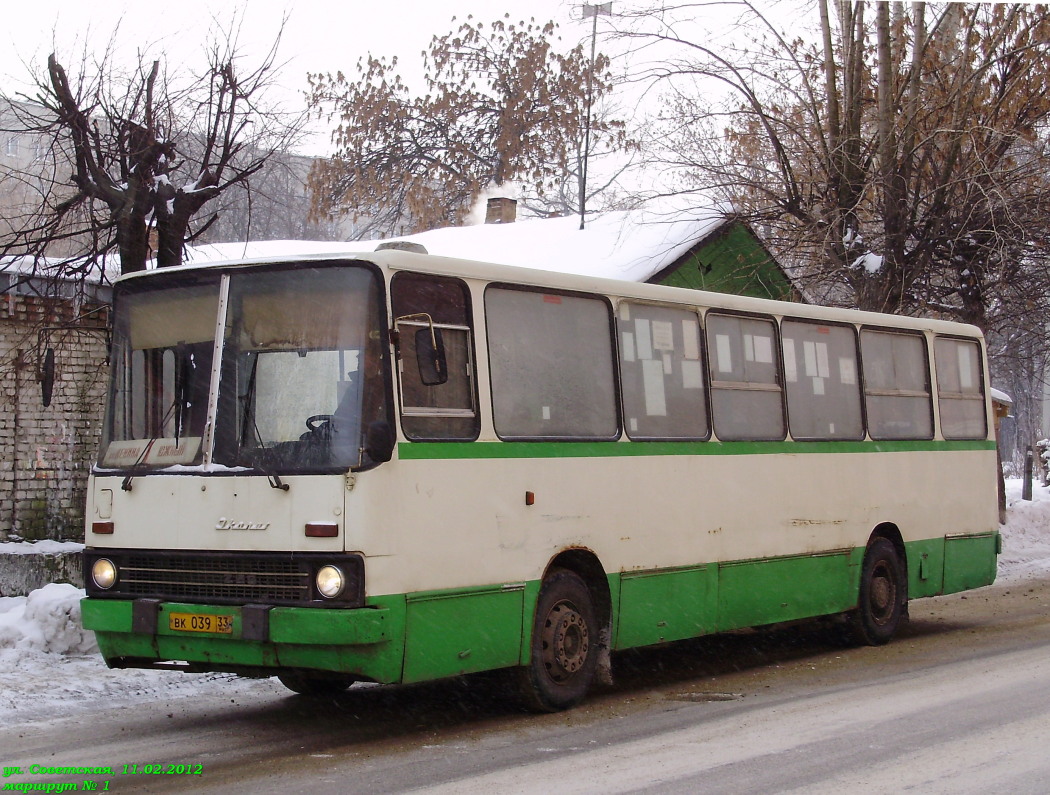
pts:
[392, 467]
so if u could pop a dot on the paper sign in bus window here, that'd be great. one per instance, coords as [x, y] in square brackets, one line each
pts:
[809, 356]
[653, 379]
[643, 339]
[763, 349]
[847, 371]
[790, 366]
[965, 370]
[663, 335]
[628, 347]
[823, 367]
[723, 347]
[816, 357]
[691, 340]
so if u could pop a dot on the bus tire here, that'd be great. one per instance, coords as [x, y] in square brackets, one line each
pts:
[565, 641]
[316, 683]
[883, 595]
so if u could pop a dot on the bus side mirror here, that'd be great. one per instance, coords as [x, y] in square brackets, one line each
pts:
[47, 376]
[379, 441]
[430, 357]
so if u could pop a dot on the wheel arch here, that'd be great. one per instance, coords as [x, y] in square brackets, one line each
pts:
[585, 564]
[890, 532]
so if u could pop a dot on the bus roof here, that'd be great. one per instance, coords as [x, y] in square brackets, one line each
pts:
[394, 260]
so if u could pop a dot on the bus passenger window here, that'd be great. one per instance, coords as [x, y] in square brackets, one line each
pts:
[447, 410]
[551, 360]
[661, 372]
[960, 388]
[822, 380]
[896, 385]
[745, 392]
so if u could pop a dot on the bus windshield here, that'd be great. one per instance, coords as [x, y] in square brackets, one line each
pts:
[301, 376]
[163, 343]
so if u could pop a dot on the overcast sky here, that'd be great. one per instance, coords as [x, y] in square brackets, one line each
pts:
[319, 35]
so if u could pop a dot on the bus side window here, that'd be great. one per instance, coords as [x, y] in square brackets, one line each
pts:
[552, 365]
[662, 373]
[960, 388]
[896, 385]
[822, 380]
[447, 410]
[745, 392]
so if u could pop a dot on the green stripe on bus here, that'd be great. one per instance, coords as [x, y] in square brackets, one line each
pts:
[469, 450]
[426, 635]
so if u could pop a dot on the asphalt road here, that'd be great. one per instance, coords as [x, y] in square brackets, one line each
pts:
[959, 702]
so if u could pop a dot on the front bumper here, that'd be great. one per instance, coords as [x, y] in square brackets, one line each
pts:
[367, 642]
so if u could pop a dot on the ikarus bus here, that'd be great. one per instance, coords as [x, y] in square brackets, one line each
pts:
[391, 467]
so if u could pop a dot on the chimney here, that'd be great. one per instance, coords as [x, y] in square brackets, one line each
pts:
[501, 210]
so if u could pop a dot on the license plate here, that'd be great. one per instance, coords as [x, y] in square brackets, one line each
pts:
[200, 622]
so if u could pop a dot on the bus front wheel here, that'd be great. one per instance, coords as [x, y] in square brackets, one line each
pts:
[883, 594]
[564, 652]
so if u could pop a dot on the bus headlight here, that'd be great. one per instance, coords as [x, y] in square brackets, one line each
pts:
[104, 573]
[330, 581]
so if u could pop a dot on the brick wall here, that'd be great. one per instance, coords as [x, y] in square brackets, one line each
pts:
[46, 453]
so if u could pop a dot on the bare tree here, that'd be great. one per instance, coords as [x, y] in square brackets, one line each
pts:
[273, 205]
[502, 105]
[898, 156]
[135, 156]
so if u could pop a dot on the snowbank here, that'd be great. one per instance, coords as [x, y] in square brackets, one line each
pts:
[48, 620]
[1026, 534]
[50, 666]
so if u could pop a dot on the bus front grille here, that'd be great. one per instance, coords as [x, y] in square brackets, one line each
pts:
[235, 579]
[271, 578]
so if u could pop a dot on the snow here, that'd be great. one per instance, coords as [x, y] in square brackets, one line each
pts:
[45, 547]
[1026, 534]
[872, 263]
[1000, 397]
[49, 666]
[53, 268]
[630, 245]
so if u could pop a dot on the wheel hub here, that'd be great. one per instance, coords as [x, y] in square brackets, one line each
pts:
[882, 595]
[565, 640]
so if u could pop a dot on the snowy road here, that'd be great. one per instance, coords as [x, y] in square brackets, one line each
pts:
[959, 703]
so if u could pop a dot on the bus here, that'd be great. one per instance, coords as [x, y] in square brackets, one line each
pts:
[393, 467]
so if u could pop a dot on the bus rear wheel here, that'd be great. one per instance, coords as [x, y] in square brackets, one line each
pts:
[316, 683]
[883, 595]
[564, 652]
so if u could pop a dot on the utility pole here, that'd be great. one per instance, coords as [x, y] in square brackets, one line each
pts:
[589, 10]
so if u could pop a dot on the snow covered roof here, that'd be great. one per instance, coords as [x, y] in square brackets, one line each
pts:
[632, 245]
[69, 269]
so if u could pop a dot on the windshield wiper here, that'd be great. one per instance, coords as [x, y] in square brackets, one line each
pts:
[125, 484]
[275, 481]
[247, 401]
